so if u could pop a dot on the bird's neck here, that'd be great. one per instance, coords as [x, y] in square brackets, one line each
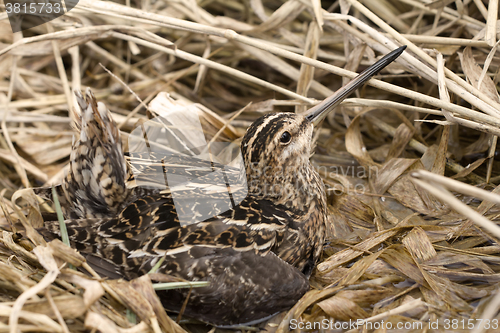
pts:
[295, 186]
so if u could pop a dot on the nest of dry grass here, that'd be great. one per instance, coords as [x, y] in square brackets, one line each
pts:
[409, 162]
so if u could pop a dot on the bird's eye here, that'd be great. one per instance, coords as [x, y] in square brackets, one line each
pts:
[285, 137]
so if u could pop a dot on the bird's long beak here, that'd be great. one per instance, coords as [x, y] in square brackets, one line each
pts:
[319, 112]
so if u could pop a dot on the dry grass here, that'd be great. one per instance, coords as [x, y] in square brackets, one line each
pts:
[410, 161]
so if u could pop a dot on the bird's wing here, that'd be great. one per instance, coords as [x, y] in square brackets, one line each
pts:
[245, 287]
[234, 251]
[149, 229]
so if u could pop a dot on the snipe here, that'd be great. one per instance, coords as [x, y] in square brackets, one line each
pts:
[258, 256]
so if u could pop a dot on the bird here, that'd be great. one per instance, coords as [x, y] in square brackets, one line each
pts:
[257, 256]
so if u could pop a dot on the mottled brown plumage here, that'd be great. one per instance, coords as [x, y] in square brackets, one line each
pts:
[95, 184]
[257, 256]
[277, 225]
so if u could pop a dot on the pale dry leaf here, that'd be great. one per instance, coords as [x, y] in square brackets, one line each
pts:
[306, 75]
[417, 243]
[348, 254]
[342, 308]
[473, 73]
[390, 171]
[144, 287]
[93, 288]
[354, 143]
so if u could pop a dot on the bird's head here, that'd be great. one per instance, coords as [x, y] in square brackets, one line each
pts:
[277, 140]
[276, 147]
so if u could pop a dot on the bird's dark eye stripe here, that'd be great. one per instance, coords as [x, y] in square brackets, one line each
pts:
[285, 137]
[262, 135]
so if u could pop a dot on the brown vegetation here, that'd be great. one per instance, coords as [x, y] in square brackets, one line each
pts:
[410, 160]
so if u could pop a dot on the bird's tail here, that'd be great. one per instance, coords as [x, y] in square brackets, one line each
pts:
[95, 185]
